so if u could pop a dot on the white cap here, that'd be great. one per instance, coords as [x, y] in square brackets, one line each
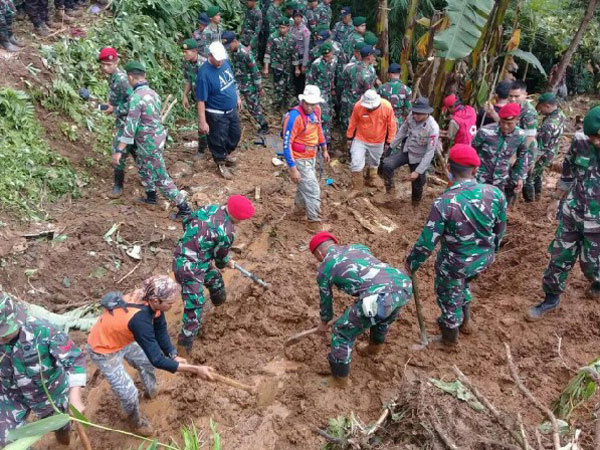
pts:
[370, 99]
[311, 95]
[217, 50]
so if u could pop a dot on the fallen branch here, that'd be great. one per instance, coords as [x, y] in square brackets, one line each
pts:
[523, 432]
[339, 441]
[527, 393]
[129, 273]
[442, 435]
[491, 408]
[371, 430]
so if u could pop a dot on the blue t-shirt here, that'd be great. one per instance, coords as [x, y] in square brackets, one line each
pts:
[215, 86]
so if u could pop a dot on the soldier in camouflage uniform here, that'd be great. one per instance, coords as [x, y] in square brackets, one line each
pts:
[274, 17]
[324, 36]
[199, 35]
[247, 75]
[280, 55]
[469, 219]
[356, 79]
[143, 126]
[322, 74]
[578, 232]
[34, 354]
[381, 292]
[214, 30]
[119, 92]
[192, 61]
[397, 93]
[208, 236]
[528, 122]
[496, 145]
[310, 15]
[357, 35]
[343, 28]
[548, 137]
[253, 22]
[7, 39]
[324, 13]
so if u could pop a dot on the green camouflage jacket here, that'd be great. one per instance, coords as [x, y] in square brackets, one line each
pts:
[208, 235]
[190, 72]
[246, 71]
[581, 177]
[470, 220]
[550, 132]
[119, 92]
[324, 14]
[322, 74]
[495, 151]
[528, 122]
[274, 15]
[251, 27]
[350, 42]
[398, 94]
[312, 21]
[211, 34]
[341, 31]
[281, 53]
[203, 42]
[354, 270]
[357, 79]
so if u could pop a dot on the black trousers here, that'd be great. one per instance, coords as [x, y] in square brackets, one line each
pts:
[391, 163]
[37, 10]
[299, 82]
[224, 133]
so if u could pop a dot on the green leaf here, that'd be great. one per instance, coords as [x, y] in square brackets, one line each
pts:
[530, 58]
[40, 427]
[24, 443]
[467, 19]
[483, 93]
[79, 415]
[153, 445]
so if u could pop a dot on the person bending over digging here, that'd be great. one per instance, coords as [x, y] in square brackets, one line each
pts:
[382, 291]
[137, 332]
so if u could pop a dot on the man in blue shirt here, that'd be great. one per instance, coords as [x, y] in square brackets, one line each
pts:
[218, 106]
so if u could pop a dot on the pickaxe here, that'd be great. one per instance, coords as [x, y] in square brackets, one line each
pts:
[253, 277]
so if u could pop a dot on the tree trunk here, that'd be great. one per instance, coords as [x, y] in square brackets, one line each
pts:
[382, 33]
[440, 86]
[566, 58]
[411, 21]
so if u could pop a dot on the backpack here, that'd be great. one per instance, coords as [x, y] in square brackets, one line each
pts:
[114, 300]
[302, 115]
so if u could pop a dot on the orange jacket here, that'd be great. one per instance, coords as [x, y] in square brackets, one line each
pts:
[372, 126]
[302, 135]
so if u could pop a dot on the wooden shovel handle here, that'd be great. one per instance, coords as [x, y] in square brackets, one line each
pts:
[299, 336]
[83, 436]
[231, 382]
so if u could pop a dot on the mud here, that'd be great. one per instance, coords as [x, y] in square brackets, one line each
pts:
[243, 339]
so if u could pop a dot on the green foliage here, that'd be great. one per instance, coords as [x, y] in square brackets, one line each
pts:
[339, 427]
[580, 389]
[530, 58]
[39, 427]
[29, 170]
[215, 435]
[467, 19]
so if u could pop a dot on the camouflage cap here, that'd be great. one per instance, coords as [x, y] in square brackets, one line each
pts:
[159, 287]
[12, 315]
[189, 44]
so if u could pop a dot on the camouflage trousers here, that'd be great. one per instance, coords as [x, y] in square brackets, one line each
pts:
[345, 113]
[308, 193]
[252, 102]
[7, 13]
[112, 367]
[326, 117]
[153, 172]
[569, 243]
[353, 323]
[130, 149]
[193, 279]
[452, 295]
[282, 83]
[539, 168]
[14, 413]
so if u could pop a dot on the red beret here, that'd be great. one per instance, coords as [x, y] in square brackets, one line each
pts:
[107, 54]
[319, 238]
[240, 207]
[465, 155]
[449, 101]
[510, 110]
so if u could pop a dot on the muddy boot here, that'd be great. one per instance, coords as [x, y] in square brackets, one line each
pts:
[230, 161]
[14, 40]
[118, 186]
[314, 226]
[140, 424]
[183, 212]
[339, 372]
[510, 197]
[467, 326]
[150, 198]
[224, 171]
[373, 179]
[370, 348]
[42, 30]
[62, 17]
[594, 290]
[63, 436]
[184, 346]
[528, 192]
[358, 185]
[449, 335]
[550, 303]
[218, 297]
[7, 45]
[537, 186]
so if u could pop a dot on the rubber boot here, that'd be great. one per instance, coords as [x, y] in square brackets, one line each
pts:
[528, 192]
[537, 186]
[358, 185]
[370, 349]
[140, 425]
[14, 40]
[373, 179]
[183, 212]
[62, 17]
[150, 198]
[466, 327]
[118, 186]
[218, 297]
[339, 372]
[594, 290]
[314, 226]
[449, 335]
[550, 303]
[184, 346]
[7, 45]
[224, 171]
[42, 30]
[63, 436]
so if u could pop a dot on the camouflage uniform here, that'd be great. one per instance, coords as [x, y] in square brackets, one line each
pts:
[190, 73]
[528, 122]
[322, 74]
[356, 79]
[253, 21]
[470, 220]
[7, 14]
[249, 82]
[119, 92]
[211, 34]
[203, 42]
[578, 232]
[495, 151]
[273, 17]
[350, 42]
[208, 235]
[548, 139]
[398, 94]
[144, 127]
[281, 56]
[341, 31]
[354, 270]
[324, 14]
[22, 377]
[310, 15]
[337, 51]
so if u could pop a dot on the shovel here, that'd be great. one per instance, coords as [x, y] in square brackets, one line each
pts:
[265, 391]
[294, 339]
[253, 277]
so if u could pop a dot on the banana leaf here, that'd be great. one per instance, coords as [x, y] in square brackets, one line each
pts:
[530, 58]
[82, 318]
[23, 444]
[39, 427]
[467, 19]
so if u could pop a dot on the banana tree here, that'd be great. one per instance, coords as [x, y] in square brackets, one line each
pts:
[409, 32]
[383, 35]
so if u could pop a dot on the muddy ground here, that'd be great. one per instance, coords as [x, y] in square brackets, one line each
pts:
[244, 337]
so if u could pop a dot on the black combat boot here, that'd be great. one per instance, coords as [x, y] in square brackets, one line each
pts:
[466, 327]
[340, 372]
[184, 346]
[537, 186]
[449, 335]
[184, 211]
[218, 297]
[528, 192]
[550, 303]
[150, 198]
[6, 44]
[594, 290]
[264, 129]
[118, 186]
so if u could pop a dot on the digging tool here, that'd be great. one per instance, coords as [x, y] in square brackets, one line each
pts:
[265, 392]
[234, 383]
[299, 336]
[253, 277]
[424, 340]
[83, 436]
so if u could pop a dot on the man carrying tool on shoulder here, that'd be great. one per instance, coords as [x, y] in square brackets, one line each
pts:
[382, 290]
[470, 220]
[208, 236]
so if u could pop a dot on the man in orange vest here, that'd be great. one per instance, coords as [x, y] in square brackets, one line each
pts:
[137, 332]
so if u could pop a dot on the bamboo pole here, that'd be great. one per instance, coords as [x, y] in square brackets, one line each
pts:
[411, 20]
